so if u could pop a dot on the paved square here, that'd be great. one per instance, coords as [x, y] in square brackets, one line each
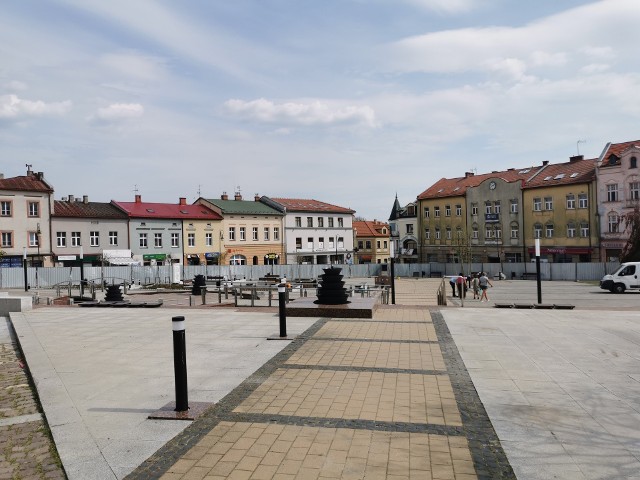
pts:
[376, 330]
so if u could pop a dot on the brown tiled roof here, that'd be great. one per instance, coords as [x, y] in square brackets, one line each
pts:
[368, 228]
[80, 209]
[309, 205]
[27, 183]
[579, 171]
[616, 149]
[453, 187]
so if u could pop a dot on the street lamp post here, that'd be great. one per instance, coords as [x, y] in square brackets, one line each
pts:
[38, 233]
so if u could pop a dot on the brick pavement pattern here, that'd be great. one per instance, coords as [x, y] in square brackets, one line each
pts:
[354, 399]
[26, 449]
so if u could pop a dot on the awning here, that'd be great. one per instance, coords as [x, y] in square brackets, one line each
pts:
[119, 257]
[155, 256]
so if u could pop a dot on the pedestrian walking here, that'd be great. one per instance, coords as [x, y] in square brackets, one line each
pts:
[452, 282]
[462, 288]
[475, 285]
[484, 285]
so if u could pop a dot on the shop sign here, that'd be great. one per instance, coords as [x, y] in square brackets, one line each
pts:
[154, 256]
[271, 256]
[66, 258]
[212, 255]
[9, 262]
[491, 217]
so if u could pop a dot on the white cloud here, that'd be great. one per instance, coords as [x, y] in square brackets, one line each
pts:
[310, 113]
[446, 6]
[117, 112]
[13, 107]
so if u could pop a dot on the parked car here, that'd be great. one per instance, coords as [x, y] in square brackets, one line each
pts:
[625, 278]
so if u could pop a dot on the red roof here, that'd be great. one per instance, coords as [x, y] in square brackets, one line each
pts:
[167, 210]
[310, 205]
[617, 149]
[453, 187]
[33, 182]
[368, 228]
[80, 209]
[578, 171]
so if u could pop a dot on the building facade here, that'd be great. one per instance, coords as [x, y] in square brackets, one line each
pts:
[315, 232]
[373, 240]
[26, 203]
[618, 187]
[251, 231]
[403, 225]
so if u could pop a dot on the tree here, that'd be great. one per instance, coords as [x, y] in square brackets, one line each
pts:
[631, 251]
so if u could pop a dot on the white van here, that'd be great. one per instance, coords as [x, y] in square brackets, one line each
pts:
[625, 278]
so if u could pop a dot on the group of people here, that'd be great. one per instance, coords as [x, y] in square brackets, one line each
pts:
[478, 282]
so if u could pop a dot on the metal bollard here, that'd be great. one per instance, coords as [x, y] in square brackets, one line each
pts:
[269, 290]
[219, 295]
[180, 364]
[282, 288]
[203, 293]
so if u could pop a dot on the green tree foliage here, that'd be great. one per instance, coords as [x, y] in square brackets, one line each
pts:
[631, 251]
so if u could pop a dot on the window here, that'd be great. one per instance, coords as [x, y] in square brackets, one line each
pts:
[448, 231]
[320, 222]
[340, 241]
[487, 207]
[113, 238]
[582, 200]
[298, 221]
[298, 243]
[243, 234]
[232, 233]
[436, 212]
[61, 239]
[331, 244]
[549, 230]
[385, 244]
[330, 222]
[321, 243]
[5, 209]
[497, 232]
[447, 210]
[378, 244]
[612, 193]
[157, 240]
[548, 203]
[208, 239]
[266, 234]
[94, 239]
[474, 232]
[514, 206]
[75, 239]
[515, 231]
[537, 231]
[571, 230]
[437, 234]
[175, 240]
[488, 232]
[254, 233]
[191, 239]
[634, 191]
[571, 201]
[360, 244]
[427, 233]
[409, 228]
[340, 222]
[368, 244]
[7, 239]
[584, 229]
[459, 210]
[537, 204]
[633, 163]
[310, 222]
[276, 233]
[34, 209]
[426, 212]
[33, 239]
[143, 240]
[496, 206]
[614, 221]
[474, 209]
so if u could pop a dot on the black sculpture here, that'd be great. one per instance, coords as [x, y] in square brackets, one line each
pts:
[113, 294]
[198, 282]
[331, 291]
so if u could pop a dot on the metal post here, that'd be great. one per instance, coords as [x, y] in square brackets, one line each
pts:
[282, 288]
[180, 364]
[538, 270]
[82, 273]
[393, 282]
[219, 294]
[203, 292]
[24, 266]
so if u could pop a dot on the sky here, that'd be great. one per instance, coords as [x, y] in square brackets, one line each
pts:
[349, 102]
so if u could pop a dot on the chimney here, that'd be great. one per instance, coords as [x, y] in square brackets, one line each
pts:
[576, 158]
[40, 176]
[256, 197]
[224, 196]
[468, 174]
[1, 176]
[545, 163]
[237, 196]
[85, 199]
[71, 198]
[183, 201]
[138, 198]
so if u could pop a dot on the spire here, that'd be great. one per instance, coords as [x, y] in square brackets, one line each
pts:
[395, 209]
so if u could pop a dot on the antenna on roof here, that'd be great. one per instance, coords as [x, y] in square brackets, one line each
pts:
[199, 195]
[28, 165]
[135, 189]
[578, 145]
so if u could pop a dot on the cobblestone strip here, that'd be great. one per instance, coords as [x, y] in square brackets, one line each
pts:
[366, 369]
[488, 456]
[26, 448]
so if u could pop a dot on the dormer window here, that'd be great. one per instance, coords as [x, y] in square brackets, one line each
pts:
[151, 210]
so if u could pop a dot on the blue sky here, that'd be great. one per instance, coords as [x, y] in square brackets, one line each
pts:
[347, 102]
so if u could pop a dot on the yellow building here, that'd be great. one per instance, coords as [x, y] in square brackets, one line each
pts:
[202, 238]
[559, 208]
[251, 232]
[372, 239]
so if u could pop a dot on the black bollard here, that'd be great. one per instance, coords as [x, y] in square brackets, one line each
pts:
[282, 288]
[180, 364]
[393, 282]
